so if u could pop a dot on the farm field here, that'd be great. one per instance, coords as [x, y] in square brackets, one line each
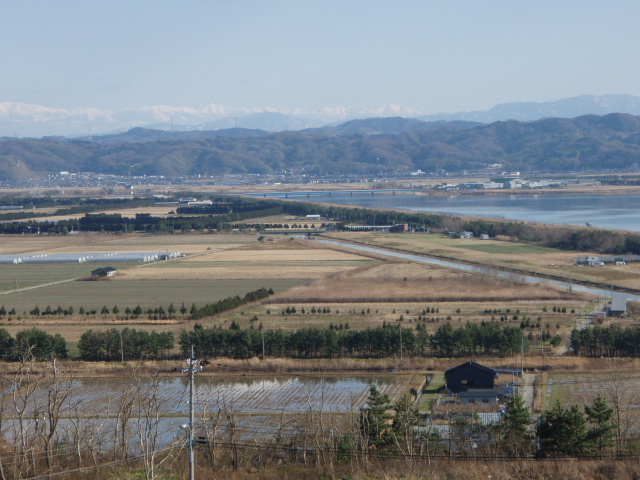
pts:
[216, 267]
[256, 395]
[413, 294]
[156, 211]
[584, 387]
[502, 253]
[147, 294]
[88, 242]
[327, 286]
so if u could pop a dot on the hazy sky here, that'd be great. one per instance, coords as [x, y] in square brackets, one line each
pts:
[433, 55]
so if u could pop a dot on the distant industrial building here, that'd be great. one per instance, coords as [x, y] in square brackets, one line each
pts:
[94, 257]
[397, 228]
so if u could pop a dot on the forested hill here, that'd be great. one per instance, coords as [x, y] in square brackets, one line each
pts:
[370, 147]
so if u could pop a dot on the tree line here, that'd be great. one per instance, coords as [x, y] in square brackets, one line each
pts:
[611, 341]
[153, 313]
[310, 342]
[230, 212]
[230, 303]
[328, 342]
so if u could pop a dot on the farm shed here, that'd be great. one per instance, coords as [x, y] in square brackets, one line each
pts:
[399, 228]
[470, 375]
[617, 306]
[104, 272]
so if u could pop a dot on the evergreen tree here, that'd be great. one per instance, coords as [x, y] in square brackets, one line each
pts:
[563, 431]
[601, 432]
[6, 344]
[514, 432]
[374, 419]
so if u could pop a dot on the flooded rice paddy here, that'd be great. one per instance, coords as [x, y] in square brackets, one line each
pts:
[242, 394]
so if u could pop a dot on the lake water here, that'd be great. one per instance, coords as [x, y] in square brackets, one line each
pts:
[620, 212]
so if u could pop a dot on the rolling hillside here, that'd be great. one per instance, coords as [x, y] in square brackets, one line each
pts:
[374, 146]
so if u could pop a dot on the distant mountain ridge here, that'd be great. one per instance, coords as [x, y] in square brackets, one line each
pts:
[25, 120]
[530, 111]
[373, 147]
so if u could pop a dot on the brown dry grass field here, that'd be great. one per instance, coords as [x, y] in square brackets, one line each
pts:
[504, 253]
[383, 292]
[95, 242]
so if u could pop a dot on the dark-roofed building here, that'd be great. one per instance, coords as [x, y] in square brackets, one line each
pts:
[104, 272]
[470, 375]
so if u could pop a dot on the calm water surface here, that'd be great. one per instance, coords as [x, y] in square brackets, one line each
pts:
[620, 212]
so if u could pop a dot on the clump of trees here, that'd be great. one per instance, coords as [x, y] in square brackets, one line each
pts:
[612, 341]
[572, 432]
[32, 342]
[471, 339]
[129, 343]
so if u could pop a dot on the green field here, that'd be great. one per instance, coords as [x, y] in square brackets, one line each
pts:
[146, 293]
[508, 248]
[14, 277]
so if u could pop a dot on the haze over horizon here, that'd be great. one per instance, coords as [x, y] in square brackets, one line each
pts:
[435, 57]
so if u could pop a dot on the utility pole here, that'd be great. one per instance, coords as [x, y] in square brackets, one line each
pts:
[191, 402]
[194, 367]
[542, 345]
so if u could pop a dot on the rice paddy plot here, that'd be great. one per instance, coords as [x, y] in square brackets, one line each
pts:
[580, 388]
[268, 395]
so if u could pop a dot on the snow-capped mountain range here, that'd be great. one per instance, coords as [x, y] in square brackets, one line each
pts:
[26, 120]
